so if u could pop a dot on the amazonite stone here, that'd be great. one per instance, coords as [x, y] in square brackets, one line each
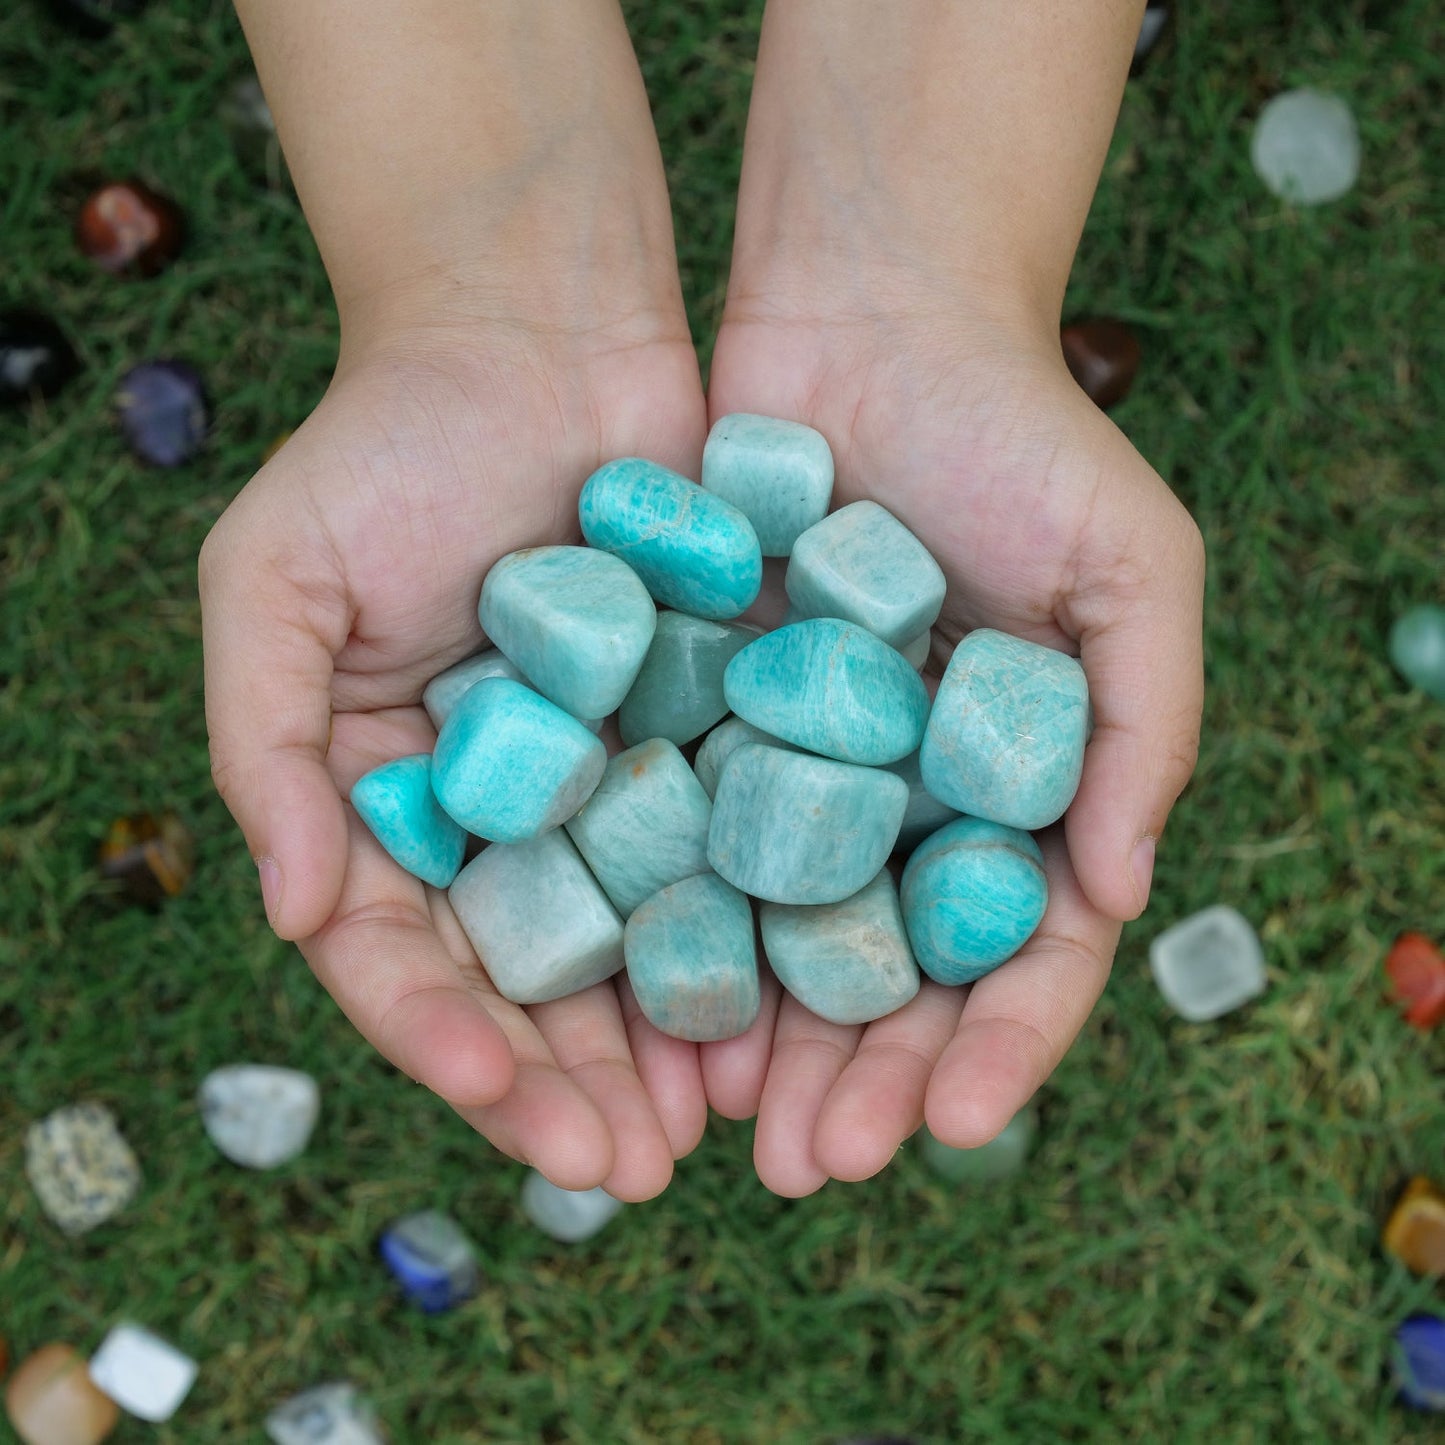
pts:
[577, 623]
[1006, 736]
[1417, 648]
[918, 651]
[924, 814]
[538, 919]
[830, 687]
[718, 746]
[849, 962]
[692, 961]
[441, 693]
[678, 694]
[1003, 1156]
[509, 764]
[972, 895]
[645, 826]
[695, 551]
[779, 474]
[397, 803]
[863, 565]
[793, 828]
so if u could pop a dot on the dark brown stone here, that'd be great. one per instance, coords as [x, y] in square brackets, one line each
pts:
[1102, 355]
[126, 226]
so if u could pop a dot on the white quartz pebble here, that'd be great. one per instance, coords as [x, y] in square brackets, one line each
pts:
[570, 1215]
[144, 1375]
[1306, 147]
[1208, 965]
[331, 1414]
[259, 1115]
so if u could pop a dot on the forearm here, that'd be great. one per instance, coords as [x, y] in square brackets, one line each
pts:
[465, 161]
[959, 140]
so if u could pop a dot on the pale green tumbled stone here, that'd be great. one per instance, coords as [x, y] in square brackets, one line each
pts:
[779, 474]
[678, 694]
[538, 919]
[793, 828]
[443, 691]
[1417, 648]
[646, 824]
[831, 687]
[849, 962]
[862, 564]
[577, 623]
[692, 961]
[917, 652]
[718, 746]
[1006, 735]
[924, 814]
[998, 1159]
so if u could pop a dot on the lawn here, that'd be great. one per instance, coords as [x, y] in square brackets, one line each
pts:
[1192, 1253]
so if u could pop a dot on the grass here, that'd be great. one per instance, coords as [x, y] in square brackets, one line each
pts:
[1192, 1254]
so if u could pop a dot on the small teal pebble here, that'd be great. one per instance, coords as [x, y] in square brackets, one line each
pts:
[1417, 648]
[576, 622]
[779, 474]
[397, 803]
[1001, 1157]
[693, 550]
[830, 687]
[509, 764]
[973, 893]
[793, 828]
[718, 746]
[692, 961]
[442, 692]
[1006, 735]
[925, 814]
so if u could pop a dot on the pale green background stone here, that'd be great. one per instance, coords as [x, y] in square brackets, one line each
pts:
[678, 694]
[924, 814]
[1001, 1157]
[1417, 648]
[779, 474]
[445, 688]
[718, 746]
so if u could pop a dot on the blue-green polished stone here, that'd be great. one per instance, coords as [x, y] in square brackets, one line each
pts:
[577, 623]
[919, 649]
[972, 895]
[718, 746]
[509, 764]
[397, 803]
[849, 962]
[830, 687]
[1001, 1157]
[924, 814]
[678, 694]
[779, 474]
[1417, 648]
[793, 828]
[442, 692]
[1006, 736]
[692, 961]
[695, 551]
[539, 921]
[646, 824]
[862, 564]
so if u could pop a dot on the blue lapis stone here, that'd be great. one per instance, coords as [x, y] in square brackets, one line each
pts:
[397, 803]
[509, 764]
[1006, 735]
[577, 623]
[1420, 1362]
[695, 551]
[432, 1260]
[779, 474]
[830, 687]
[972, 895]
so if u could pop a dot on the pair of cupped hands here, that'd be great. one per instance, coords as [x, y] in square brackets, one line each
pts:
[346, 575]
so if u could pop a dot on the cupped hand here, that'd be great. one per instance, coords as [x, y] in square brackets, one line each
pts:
[342, 578]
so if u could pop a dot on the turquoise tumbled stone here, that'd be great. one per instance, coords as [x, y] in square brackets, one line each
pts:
[442, 692]
[539, 921]
[509, 764]
[793, 828]
[577, 623]
[718, 746]
[678, 694]
[692, 961]
[864, 565]
[1417, 648]
[1006, 735]
[646, 824]
[850, 961]
[924, 814]
[397, 803]
[972, 895]
[695, 551]
[830, 687]
[779, 474]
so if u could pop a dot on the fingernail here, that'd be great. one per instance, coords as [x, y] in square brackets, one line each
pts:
[270, 887]
[1141, 865]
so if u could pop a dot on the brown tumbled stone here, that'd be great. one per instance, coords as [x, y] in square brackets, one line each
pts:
[1103, 356]
[150, 856]
[51, 1400]
[1415, 1231]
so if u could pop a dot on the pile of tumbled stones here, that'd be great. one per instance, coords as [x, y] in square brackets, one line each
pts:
[820, 759]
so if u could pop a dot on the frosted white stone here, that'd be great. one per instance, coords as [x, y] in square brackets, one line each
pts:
[570, 1215]
[259, 1115]
[142, 1373]
[1306, 147]
[1209, 964]
[332, 1414]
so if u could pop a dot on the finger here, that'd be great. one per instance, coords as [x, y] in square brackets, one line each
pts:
[809, 1055]
[269, 640]
[1019, 1021]
[670, 1072]
[735, 1070]
[1138, 610]
[877, 1102]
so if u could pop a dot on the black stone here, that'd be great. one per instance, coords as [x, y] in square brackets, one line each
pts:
[94, 19]
[35, 358]
[1151, 30]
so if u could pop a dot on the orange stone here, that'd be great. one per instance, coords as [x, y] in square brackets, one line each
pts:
[149, 856]
[1415, 1231]
[51, 1401]
[1417, 971]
